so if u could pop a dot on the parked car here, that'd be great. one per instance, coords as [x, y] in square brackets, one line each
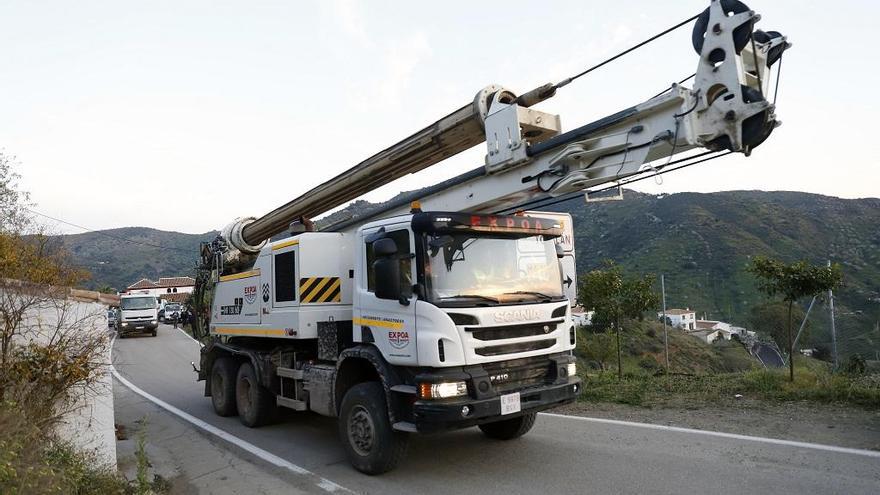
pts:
[161, 315]
[111, 318]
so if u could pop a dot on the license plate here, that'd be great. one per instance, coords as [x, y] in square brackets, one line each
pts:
[510, 403]
[139, 328]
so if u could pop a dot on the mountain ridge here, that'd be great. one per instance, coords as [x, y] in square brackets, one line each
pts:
[701, 242]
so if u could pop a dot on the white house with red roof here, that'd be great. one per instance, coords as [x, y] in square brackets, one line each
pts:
[166, 288]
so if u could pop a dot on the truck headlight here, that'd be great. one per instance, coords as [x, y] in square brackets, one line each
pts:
[571, 369]
[154, 322]
[442, 390]
[124, 324]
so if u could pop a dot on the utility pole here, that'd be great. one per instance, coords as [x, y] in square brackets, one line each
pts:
[665, 333]
[833, 330]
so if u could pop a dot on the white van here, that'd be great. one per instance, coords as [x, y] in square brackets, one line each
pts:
[138, 313]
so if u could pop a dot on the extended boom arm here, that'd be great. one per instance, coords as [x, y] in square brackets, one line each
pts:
[528, 158]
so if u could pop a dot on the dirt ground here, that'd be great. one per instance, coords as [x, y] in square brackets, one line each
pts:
[801, 421]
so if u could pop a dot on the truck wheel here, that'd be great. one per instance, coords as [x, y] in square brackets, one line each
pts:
[508, 429]
[153, 333]
[256, 405]
[373, 447]
[223, 386]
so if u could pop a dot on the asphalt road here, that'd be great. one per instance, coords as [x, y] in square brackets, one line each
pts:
[560, 455]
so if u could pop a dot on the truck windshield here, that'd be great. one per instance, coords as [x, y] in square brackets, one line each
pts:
[468, 268]
[134, 303]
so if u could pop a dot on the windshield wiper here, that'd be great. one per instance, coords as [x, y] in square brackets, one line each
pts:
[533, 293]
[473, 296]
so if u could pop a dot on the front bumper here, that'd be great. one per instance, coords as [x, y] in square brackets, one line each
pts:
[433, 416]
[137, 326]
[541, 381]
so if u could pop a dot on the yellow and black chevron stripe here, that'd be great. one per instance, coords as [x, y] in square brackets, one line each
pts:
[320, 290]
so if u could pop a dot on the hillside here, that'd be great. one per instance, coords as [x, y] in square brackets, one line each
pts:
[701, 242]
[117, 263]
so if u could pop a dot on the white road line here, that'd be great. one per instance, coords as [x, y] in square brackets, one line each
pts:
[190, 336]
[267, 456]
[774, 441]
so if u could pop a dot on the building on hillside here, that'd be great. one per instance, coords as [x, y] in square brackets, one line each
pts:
[581, 318]
[686, 319]
[166, 288]
[725, 329]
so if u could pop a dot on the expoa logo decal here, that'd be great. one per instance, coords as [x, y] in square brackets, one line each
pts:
[398, 340]
[250, 293]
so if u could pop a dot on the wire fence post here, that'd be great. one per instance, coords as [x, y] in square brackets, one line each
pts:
[665, 333]
[833, 330]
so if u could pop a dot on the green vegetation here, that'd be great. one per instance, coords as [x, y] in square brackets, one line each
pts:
[642, 351]
[33, 462]
[613, 298]
[710, 374]
[692, 391]
[793, 282]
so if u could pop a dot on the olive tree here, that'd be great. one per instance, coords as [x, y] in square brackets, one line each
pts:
[792, 282]
[614, 297]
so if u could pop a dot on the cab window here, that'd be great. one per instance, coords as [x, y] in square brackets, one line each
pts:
[404, 255]
[285, 277]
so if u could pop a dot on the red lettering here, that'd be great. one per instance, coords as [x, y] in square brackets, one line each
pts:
[493, 222]
[525, 224]
[538, 225]
[475, 221]
[510, 223]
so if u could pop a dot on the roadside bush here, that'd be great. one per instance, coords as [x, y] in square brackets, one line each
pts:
[855, 365]
[648, 363]
[33, 461]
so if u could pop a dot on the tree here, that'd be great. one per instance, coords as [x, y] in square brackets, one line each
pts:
[614, 297]
[14, 203]
[45, 350]
[793, 282]
[771, 318]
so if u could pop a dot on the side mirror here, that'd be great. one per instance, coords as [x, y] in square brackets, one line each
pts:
[387, 271]
[560, 253]
[384, 248]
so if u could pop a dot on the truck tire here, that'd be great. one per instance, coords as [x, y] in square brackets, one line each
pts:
[508, 429]
[256, 404]
[373, 447]
[223, 374]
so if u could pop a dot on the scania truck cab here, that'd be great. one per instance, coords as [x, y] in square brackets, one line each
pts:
[417, 323]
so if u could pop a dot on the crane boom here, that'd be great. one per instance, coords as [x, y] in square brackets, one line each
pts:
[527, 156]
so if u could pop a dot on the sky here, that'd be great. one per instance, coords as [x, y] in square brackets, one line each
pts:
[185, 115]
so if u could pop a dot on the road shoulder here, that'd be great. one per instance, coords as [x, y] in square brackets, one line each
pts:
[190, 461]
[827, 424]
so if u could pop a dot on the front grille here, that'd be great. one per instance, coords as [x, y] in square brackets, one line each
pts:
[519, 373]
[512, 331]
[496, 350]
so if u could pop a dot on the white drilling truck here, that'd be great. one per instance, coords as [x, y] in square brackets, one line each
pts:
[451, 307]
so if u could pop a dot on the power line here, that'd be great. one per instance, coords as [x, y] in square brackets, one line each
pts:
[111, 236]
